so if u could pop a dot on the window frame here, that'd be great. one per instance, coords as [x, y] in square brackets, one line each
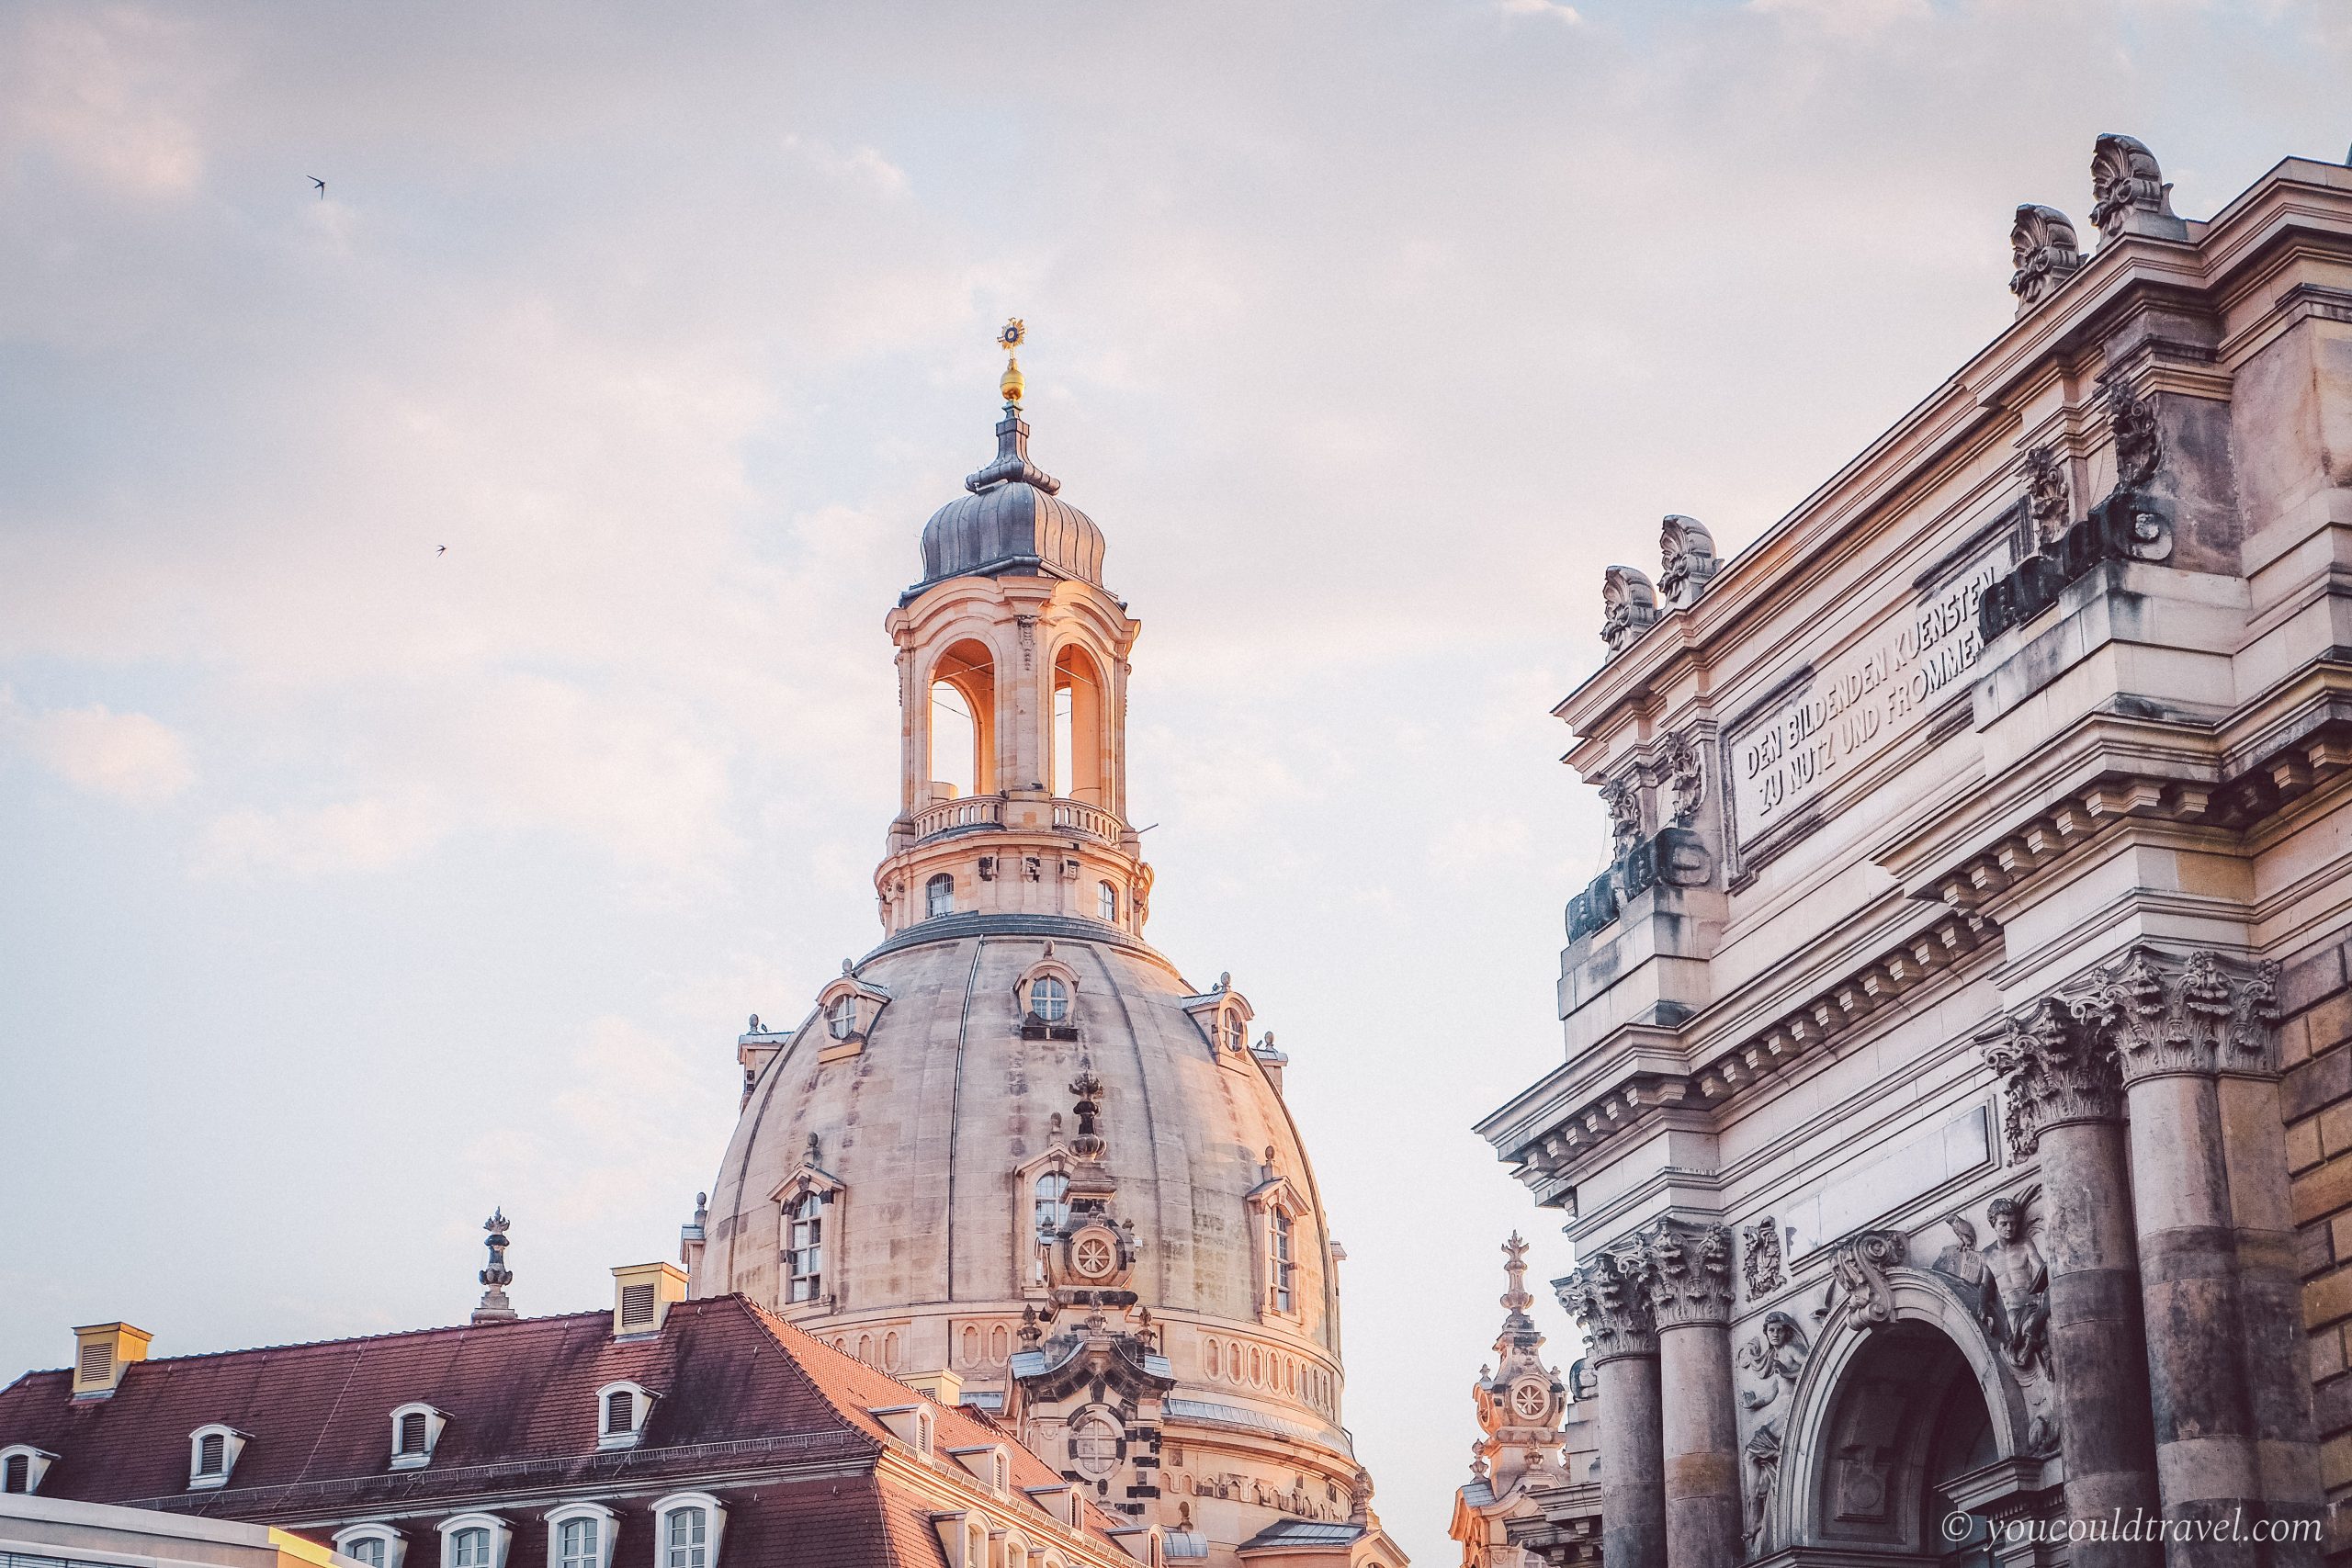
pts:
[641, 1400]
[1106, 903]
[395, 1545]
[933, 885]
[434, 1420]
[804, 1227]
[35, 1461]
[607, 1523]
[713, 1524]
[1057, 1000]
[232, 1444]
[501, 1536]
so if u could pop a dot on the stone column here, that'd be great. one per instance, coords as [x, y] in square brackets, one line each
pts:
[1607, 1297]
[2164, 1017]
[1691, 1297]
[2254, 1156]
[2066, 1101]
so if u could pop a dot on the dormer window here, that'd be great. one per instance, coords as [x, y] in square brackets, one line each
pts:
[621, 1410]
[416, 1429]
[211, 1454]
[581, 1535]
[840, 1020]
[1048, 1000]
[686, 1526]
[939, 897]
[474, 1540]
[22, 1466]
[376, 1545]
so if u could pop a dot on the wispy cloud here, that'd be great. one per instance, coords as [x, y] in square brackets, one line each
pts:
[128, 756]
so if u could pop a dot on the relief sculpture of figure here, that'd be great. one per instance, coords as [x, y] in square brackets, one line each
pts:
[2022, 1278]
[1969, 1273]
[1777, 1355]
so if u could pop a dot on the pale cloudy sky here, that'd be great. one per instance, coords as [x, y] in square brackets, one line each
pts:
[348, 888]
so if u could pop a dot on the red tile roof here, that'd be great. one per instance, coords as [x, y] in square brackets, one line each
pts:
[740, 1389]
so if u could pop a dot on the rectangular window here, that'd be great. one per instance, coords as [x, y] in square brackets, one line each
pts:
[805, 1256]
[637, 1303]
[97, 1360]
[472, 1549]
[577, 1546]
[1285, 1269]
[684, 1539]
[413, 1432]
[368, 1550]
[209, 1454]
[18, 1477]
[620, 1411]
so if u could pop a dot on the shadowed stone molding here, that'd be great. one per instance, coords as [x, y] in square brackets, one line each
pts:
[1623, 798]
[1759, 1251]
[2139, 442]
[2197, 1012]
[2129, 193]
[1610, 1297]
[1858, 1267]
[1689, 1273]
[2050, 499]
[1686, 779]
[2056, 1069]
[2042, 243]
[1628, 607]
[1686, 560]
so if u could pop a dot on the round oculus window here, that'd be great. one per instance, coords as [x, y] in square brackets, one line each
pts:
[1529, 1399]
[1093, 1254]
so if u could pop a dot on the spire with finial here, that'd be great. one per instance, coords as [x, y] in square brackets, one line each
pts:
[1010, 340]
[1011, 461]
[496, 1277]
[1516, 1300]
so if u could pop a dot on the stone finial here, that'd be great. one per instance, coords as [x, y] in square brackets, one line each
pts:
[1610, 1296]
[1628, 605]
[2042, 243]
[1686, 560]
[2129, 195]
[1515, 1300]
[2056, 1070]
[1690, 1272]
[496, 1276]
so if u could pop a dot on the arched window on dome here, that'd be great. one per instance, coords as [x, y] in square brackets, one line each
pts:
[1049, 1000]
[939, 897]
[961, 717]
[841, 1019]
[804, 1260]
[1081, 759]
[1106, 902]
[1284, 1267]
[1052, 1202]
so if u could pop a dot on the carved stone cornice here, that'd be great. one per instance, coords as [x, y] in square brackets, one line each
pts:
[1611, 1297]
[2195, 1012]
[1689, 1276]
[2059, 1069]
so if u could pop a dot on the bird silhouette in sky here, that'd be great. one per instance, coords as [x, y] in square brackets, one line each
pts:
[442, 551]
[320, 184]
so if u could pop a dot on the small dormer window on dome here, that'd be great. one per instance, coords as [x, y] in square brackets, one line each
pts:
[841, 1019]
[1049, 1000]
[849, 1007]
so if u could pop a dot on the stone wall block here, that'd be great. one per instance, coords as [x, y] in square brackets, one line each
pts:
[2313, 978]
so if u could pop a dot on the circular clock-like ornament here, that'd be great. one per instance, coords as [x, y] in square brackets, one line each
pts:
[1530, 1400]
[1093, 1254]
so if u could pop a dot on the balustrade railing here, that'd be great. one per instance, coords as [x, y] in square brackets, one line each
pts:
[967, 811]
[1076, 816]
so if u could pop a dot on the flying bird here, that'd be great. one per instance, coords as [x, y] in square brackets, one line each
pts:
[442, 551]
[320, 184]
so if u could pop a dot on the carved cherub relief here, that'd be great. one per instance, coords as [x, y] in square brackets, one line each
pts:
[1775, 1356]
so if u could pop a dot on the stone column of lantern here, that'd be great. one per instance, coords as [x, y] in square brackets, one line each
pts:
[2065, 1099]
[1609, 1298]
[2167, 1018]
[1691, 1287]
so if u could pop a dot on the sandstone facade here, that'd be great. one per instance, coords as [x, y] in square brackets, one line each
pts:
[1956, 1121]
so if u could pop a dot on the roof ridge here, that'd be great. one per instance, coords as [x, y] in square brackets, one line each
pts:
[348, 1339]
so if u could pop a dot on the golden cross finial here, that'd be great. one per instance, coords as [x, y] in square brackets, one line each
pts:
[1013, 335]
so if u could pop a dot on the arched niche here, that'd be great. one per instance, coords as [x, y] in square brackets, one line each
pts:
[1890, 1405]
[1079, 742]
[961, 718]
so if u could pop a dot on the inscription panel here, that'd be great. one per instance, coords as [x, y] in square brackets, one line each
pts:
[1876, 692]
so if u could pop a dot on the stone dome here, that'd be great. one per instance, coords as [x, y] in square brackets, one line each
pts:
[1012, 522]
[932, 1128]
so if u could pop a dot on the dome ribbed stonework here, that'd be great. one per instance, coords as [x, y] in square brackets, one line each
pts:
[1012, 522]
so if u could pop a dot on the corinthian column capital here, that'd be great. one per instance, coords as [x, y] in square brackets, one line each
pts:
[1690, 1276]
[2058, 1068]
[1610, 1296]
[2192, 1012]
